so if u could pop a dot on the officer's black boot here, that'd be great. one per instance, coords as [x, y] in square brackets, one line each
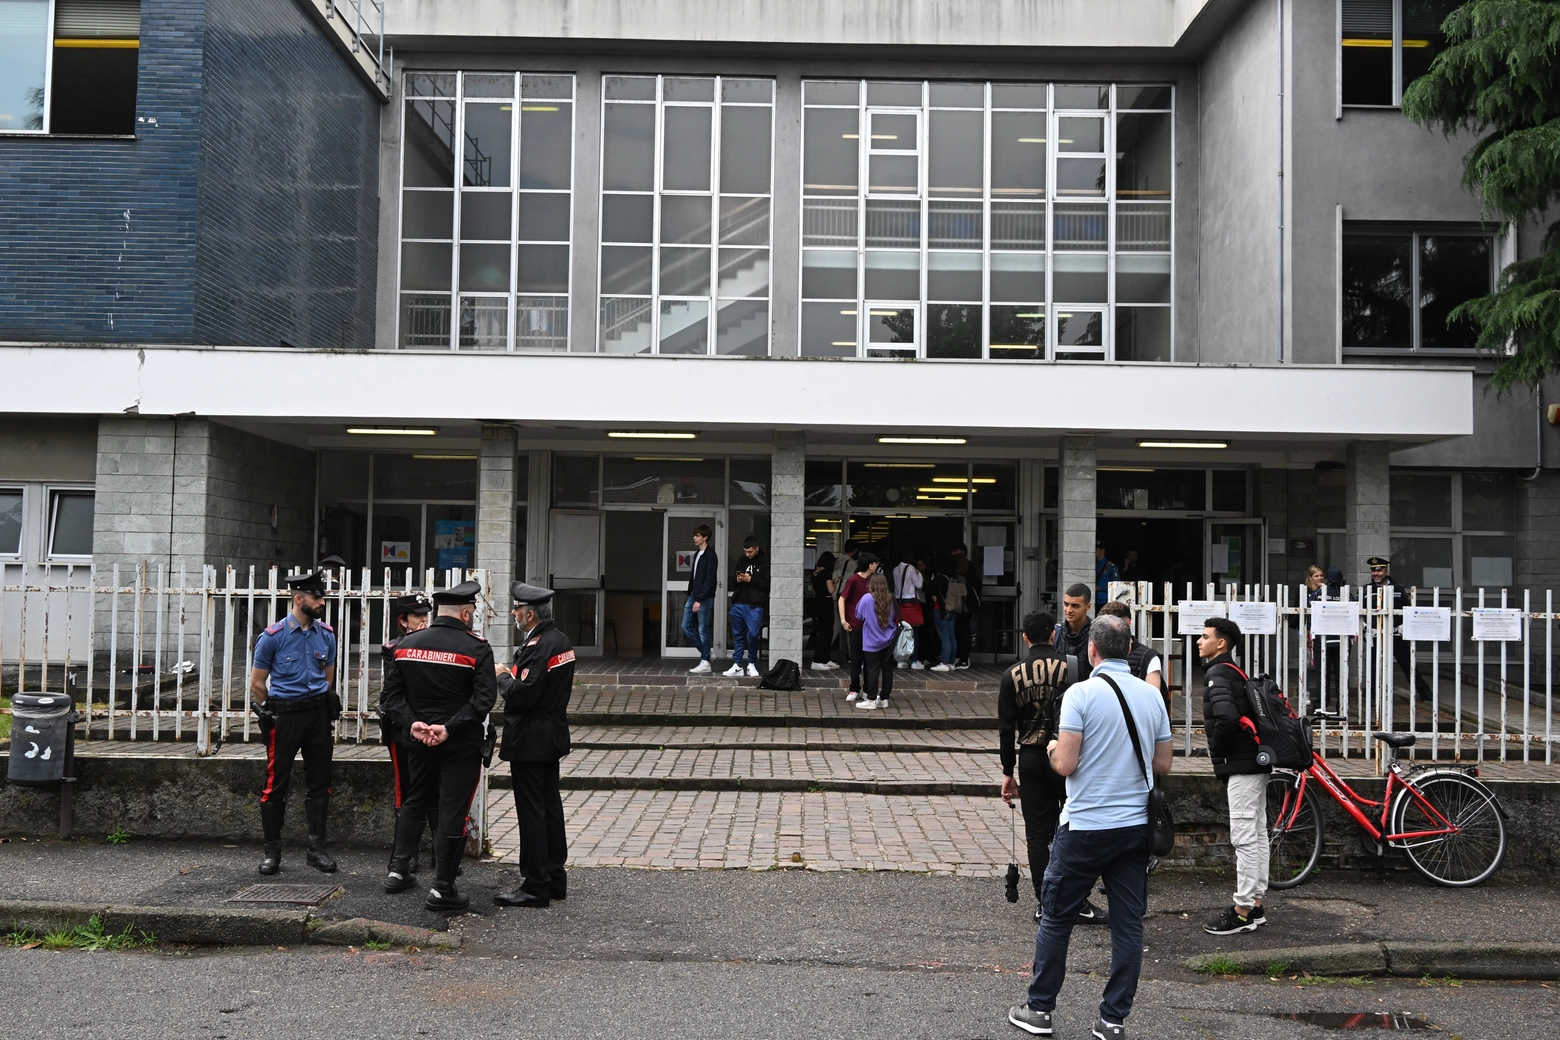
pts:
[271, 814]
[443, 896]
[403, 858]
[317, 811]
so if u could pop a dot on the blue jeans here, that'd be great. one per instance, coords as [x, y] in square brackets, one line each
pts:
[747, 624]
[950, 646]
[1119, 857]
[696, 625]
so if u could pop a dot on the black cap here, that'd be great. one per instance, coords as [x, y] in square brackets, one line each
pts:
[416, 603]
[313, 581]
[529, 595]
[460, 595]
[1377, 561]
[333, 561]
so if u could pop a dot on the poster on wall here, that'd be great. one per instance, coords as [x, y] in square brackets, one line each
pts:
[395, 552]
[455, 541]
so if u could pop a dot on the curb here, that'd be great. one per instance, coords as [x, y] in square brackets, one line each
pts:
[988, 789]
[218, 926]
[862, 720]
[1526, 961]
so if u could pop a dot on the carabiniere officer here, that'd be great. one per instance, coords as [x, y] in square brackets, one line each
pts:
[290, 685]
[409, 614]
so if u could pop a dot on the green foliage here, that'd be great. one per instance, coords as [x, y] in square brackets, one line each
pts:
[1219, 964]
[119, 837]
[89, 936]
[378, 944]
[1276, 968]
[1498, 79]
[5, 720]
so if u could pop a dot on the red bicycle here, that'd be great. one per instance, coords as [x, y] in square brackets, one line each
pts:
[1450, 826]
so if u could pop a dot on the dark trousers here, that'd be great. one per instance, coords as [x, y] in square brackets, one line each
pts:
[823, 628]
[1118, 856]
[444, 777]
[879, 666]
[1040, 796]
[295, 731]
[853, 644]
[544, 845]
[401, 760]
[961, 635]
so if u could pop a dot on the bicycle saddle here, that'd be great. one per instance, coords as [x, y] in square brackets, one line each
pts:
[1397, 740]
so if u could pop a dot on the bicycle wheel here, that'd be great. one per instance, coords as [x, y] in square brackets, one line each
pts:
[1294, 830]
[1458, 860]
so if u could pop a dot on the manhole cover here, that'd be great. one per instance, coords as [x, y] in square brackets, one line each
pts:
[299, 895]
[1357, 1020]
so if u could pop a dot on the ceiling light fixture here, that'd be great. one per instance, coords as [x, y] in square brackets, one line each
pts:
[922, 440]
[1182, 444]
[1125, 469]
[396, 431]
[900, 465]
[449, 458]
[650, 435]
[665, 458]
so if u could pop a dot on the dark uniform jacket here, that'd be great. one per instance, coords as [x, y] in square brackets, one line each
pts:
[536, 697]
[1029, 701]
[387, 663]
[1231, 746]
[441, 675]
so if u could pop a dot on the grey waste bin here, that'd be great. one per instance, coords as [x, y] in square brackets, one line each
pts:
[40, 727]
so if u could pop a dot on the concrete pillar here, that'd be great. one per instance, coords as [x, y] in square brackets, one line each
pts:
[787, 532]
[1075, 513]
[537, 516]
[1031, 554]
[496, 486]
[1367, 508]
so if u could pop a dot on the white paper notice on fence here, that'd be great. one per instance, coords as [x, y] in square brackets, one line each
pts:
[991, 565]
[1335, 618]
[1193, 612]
[1427, 624]
[1255, 619]
[1497, 624]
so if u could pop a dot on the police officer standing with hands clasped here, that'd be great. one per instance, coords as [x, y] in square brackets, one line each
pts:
[410, 615]
[536, 735]
[438, 693]
[290, 685]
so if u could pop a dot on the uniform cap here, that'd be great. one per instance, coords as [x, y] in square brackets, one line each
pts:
[1377, 561]
[313, 581]
[465, 592]
[529, 595]
[333, 561]
[416, 603]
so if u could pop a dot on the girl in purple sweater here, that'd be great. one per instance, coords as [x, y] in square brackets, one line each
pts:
[879, 619]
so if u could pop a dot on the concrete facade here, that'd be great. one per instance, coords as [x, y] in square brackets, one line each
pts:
[1367, 507]
[787, 518]
[1076, 511]
[497, 481]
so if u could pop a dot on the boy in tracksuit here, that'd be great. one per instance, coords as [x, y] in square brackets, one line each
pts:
[750, 586]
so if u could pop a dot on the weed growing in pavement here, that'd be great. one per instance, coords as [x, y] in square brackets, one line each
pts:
[119, 837]
[1276, 968]
[378, 944]
[1220, 965]
[1445, 980]
[89, 936]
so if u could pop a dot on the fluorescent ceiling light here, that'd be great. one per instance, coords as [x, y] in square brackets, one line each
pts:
[462, 458]
[900, 465]
[396, 431]
[664, 458]
[939, 498]
[1182, 444]
[650, 435]
[949, 490]
[964, 480]
[921, 440]
[1126, 469]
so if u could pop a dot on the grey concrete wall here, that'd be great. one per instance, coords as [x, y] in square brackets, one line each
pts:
[1538, 534]
[1076, 513]
[1367, 507]
[48, 447]
[787, 533]
[246, 478]
[496, 486]
[1508, 432]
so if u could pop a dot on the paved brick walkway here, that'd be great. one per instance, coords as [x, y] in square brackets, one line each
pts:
[703, 705]
[785, 738]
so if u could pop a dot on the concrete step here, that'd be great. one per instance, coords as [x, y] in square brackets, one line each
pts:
[784, 738]
[701, 706]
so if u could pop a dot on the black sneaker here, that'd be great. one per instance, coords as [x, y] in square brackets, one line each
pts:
[1030, 1020]
[1106, 1031]
[1091, 914]
[1257, 915]
[1230, 922]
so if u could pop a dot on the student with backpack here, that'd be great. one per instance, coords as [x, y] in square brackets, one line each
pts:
[907, 597]
[947, 601]
[1233, 748]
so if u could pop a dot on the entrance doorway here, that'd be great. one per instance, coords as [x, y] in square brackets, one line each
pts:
[678, 552]
[1167, 550]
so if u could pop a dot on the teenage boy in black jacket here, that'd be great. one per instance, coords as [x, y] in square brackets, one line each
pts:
[748, 598]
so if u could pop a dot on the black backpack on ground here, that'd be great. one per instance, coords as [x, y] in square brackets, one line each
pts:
[1283, 740]
[782, 675]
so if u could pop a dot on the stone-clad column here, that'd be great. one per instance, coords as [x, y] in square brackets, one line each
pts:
[1075, 514]
[1367, 509]
[496, 478]
[787, 531]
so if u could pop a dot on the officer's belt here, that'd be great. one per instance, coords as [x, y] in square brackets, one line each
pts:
[283, 705]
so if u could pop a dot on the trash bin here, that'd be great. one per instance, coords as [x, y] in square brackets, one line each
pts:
[40, 728]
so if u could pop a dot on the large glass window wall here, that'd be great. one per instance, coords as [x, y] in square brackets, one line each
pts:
[987, 220]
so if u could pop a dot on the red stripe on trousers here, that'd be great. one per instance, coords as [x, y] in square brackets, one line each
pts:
[395, 768]
[270, 764]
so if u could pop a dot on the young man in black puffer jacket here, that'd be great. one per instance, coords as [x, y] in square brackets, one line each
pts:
[1232, 746]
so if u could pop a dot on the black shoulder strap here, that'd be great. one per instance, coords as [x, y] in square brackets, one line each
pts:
[1137, 742]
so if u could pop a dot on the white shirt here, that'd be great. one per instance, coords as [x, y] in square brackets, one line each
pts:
[907, 582]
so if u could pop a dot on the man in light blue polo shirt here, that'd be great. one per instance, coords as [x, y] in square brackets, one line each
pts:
[1104, 828]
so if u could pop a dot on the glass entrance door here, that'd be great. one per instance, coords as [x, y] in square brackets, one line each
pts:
[575, 573]
[1237, 553]
[678, 552]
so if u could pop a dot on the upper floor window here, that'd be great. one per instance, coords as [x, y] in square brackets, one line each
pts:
[685, 203]
[69, 66]
[1387, 44]
[486, 211]
[986, 220]
[1399, 286]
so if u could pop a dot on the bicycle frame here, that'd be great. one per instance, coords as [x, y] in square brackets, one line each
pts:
[1354, 803]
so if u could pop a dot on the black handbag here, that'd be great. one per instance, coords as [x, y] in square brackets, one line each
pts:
[1161, 824]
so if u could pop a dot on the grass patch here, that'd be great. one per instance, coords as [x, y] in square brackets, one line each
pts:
[119, 837]
[1220, 965]
[1276, 968]
[378, 944]
[1445, 980]
[89, 936]
[5, 720]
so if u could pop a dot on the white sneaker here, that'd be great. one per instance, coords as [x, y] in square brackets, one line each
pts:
[942, 668]
[827, 666]
[735, 671]
[852, 695]
[702, 668]
[866, 705]
[752, 671]
[916, 666]
[815, 666]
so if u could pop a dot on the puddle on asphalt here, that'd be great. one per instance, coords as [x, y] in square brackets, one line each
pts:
[1356, 1020]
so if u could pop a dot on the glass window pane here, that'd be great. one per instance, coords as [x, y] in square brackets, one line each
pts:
[893, 131]
[485, 267]
[576, 480]
[1017, 225]
[761, 91]
[643, 481]
[750, 482]
[1143, 156]
[1018, 154]
[425, 321]
[685, 327]
[485, 162]
[535, 86]
[1331, 485]
[1424, 563]
[484, 323]
[954, 225]
[489, 85]
[70, 532]
[1143, 333]
[822, 486]
[1079, 278]
[625, 325]
[1164, 488]
[1018, 332]
[429, 145]
[542, 323]
[829, 222]
[745, 139]
[1080, 226]
[1155, 96]
[1229, 490]
[956, 143]
[1078, 328]
[1487, 502]
[1489, 561]
[940, 485]
[10, 521]
[686, 218]
[544, 216]
[952, 330]
[625, 269]
[1080, 178]
[742, 328]
[830, 152]
[1452, 270]
[1367, 52]
[958, 95]
[427, 214]
[889, 326]
[685, 160]
[628, 148]
[828, 274]
[893, 175]
[1018, 95]
[953, 276]
[485, 215]
[1140, 279]
[542, 269]
[828, 330]
[1017, 277]
[629, 88]
[1089, 95]
[546, 145]
[1421, 499]
[894, 95]
[685, 271]
[1376, 273]
[893, 275]
[1080, 134]
[744, 222]
[1142, 226]
[627, 218]
[674, 89]
[426, 265]
[430, 84]
[995, 486]
[831, 92]
[743, 272]
[893, 223]
[1422, 35]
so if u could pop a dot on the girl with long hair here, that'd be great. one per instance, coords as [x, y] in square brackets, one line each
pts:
[879, 618]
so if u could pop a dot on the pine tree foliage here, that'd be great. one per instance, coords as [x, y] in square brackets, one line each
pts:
[1498, 79]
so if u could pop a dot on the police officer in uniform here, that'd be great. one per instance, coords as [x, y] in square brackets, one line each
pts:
[290, 686]
[409, 614]
[1380, 578]
[536, 692]
[438, 693]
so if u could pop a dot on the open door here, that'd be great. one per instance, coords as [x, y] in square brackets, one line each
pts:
[1237, 553]
[678, 551]
[576, 576]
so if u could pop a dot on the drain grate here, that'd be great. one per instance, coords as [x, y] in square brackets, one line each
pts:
[1357, 1020]
[297, 895]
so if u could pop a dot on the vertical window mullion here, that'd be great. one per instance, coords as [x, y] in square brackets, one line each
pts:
[1108, 325]
[458, 159]
[924, 185]
[655, 210]
[985, 224]
[514, 216]
[1397, 52]
[1052, 151]
[863, 162]
[1414, 338]
[716, 108]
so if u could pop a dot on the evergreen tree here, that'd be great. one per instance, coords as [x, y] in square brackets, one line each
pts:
[1498, 79]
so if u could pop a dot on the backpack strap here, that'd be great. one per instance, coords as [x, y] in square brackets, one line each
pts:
[1137, 742]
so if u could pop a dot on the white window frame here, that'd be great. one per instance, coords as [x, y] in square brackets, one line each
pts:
[51, 495]
[21, 538]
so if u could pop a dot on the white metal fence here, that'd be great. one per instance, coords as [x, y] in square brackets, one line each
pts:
[1483, 662]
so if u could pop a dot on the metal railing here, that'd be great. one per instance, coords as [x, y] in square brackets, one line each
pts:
[367, 22]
